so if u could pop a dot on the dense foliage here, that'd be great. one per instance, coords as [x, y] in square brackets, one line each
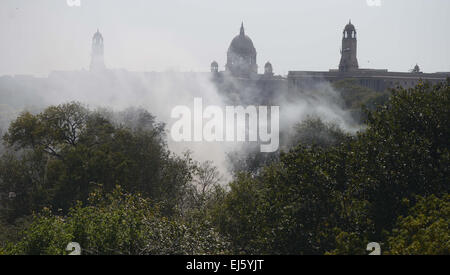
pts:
[59, 156]
[117, 223]
[355, 96]
[329, 193]
[424, 230]
[336, 199]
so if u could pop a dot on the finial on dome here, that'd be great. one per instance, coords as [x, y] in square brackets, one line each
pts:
[242, 29]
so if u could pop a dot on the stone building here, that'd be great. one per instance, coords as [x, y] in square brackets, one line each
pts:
[379, 80]
[241, 82]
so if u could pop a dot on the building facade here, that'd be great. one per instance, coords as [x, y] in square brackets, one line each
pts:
[241, 82]
[378, 80]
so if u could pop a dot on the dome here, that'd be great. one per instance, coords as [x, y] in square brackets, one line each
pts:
[98, 36]
[241, 56]
[214, 64]
[242, 44]
[350, 27]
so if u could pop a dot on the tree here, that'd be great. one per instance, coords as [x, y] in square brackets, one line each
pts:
[334, 199]
[403, 153]
[425, 230]
[61, 154]
[314, 132]
[116, 223]
[355, 96]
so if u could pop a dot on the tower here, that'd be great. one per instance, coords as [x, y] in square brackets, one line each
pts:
[214, 67]
[241, 56]
[97, 58]
[349, 61]
[268, 69]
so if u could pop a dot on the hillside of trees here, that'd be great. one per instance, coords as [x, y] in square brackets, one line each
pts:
[109, 182]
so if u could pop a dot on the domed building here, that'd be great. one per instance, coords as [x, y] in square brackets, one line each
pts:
[241, 56]
[376, 79]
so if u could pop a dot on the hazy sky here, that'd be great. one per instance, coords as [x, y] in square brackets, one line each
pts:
[38, 36]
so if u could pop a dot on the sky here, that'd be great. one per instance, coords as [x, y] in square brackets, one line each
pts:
[40, 36]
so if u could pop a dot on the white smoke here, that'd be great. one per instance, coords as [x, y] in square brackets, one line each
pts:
[159, 93]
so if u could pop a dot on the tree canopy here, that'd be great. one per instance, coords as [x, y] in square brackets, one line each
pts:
[329, 192]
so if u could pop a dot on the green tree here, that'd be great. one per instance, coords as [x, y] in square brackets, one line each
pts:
[425, 230]
[404, 152]
[315, 132]
[59, 155]
[335, 199]
[116, 223]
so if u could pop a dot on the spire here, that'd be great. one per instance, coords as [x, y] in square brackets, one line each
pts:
[97, 59]
[242, 29]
